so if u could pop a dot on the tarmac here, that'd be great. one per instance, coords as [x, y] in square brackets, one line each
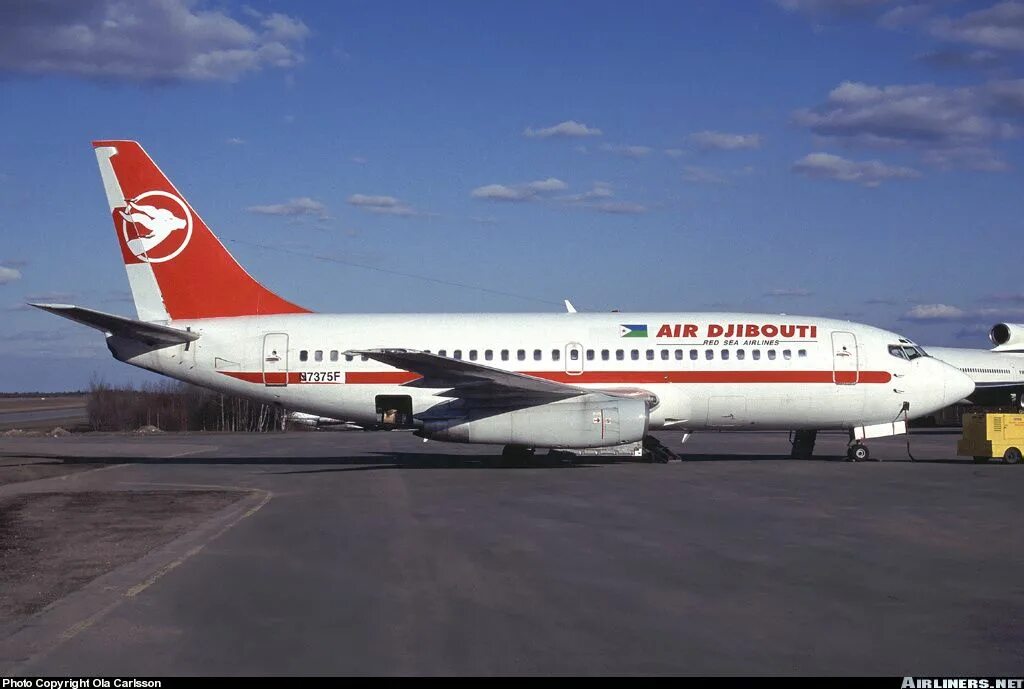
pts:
[324, 553]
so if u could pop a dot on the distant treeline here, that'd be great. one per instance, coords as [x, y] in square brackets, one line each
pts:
[174, 406]
[67, 393]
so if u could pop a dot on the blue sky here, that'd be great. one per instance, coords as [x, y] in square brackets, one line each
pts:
[849, 158]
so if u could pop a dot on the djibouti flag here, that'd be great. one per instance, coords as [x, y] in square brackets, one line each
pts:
[633, 330]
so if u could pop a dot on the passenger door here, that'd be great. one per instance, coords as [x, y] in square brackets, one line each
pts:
[845, 367]
[275, 359]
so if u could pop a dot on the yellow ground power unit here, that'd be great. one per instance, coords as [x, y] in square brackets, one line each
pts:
[992, 435]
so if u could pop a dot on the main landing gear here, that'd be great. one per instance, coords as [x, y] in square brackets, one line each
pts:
[516, 454]
[803, 444]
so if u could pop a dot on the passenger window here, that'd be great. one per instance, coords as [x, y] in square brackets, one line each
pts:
[488, 355]
[620, 354]
[802, 354]
[364, 358]
[679, 355]
[555, 355]
[740, 354]
[349, 357]
[521, 354]
[725, 354]
[771, 354]
[756, 354]
[634, 354]
[574, 354]
[650, 355]
[590, 355]
[334, 355]
[472, 355]
[318, 355]
[709, 354]
[442, 352]
[457, 354]
[504, 355]
[786, 354]
[693, 355]
[537, 355]
[664, 355]
[605, 354]
[303, 355]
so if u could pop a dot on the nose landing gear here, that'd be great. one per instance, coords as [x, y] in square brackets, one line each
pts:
[858, 452]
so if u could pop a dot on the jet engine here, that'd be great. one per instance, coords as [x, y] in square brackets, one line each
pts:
[1007, 336]
[594, 420]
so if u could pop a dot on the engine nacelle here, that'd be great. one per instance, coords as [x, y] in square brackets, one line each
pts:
[588, 421]
[1007, 336]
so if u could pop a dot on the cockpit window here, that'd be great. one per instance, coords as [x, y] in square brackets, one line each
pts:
[897, 351]
[913, 351]
[907, 351]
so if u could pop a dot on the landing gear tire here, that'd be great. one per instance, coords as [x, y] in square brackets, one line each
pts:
[1012, 455]
[516, 454]
[857, 453]
[981, 460]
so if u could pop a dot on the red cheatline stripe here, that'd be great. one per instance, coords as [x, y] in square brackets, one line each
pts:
[605, 377]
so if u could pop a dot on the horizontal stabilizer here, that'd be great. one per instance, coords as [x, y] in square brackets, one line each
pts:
[149, 333]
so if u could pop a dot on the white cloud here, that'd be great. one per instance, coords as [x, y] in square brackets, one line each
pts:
[549, 184]
[600, 190]
[869, 173]
[597, 198]
[904, 15]
[700, 175]
[527, 191]
[935, 313]
[235, 141]
[675, 152]
[386, 205]
[619, 208]
[1000, 26]
[299, 207]
[569, 128]
[945, 124]
[829, 6]
[723, 141]
[358, 160]
[790, 292]
[627, 151]
[144, 40]
[8, 275]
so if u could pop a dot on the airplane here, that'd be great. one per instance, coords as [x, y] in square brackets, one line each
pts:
[998, 373]
[523, 381]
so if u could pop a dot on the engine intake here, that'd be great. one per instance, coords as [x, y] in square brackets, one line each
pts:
[587, 421]
[1007, 335]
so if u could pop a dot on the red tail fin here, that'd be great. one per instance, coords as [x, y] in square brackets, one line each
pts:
[176, 266]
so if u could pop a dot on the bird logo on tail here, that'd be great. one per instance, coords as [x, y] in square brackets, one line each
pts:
[158, 230]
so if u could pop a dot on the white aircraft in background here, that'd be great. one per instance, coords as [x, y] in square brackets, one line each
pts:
[525, 381]
[998, 373]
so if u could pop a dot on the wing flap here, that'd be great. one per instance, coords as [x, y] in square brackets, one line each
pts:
[149, 333]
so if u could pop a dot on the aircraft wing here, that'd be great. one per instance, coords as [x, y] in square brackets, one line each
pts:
[469, 380]
[149, 333]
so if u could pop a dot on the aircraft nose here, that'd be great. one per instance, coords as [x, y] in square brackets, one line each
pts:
[958, 385]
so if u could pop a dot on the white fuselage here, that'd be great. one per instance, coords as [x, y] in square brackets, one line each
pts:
[707, 370]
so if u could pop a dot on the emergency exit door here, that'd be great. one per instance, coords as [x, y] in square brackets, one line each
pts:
[845, 367]
[574, 358]
[275, 359]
